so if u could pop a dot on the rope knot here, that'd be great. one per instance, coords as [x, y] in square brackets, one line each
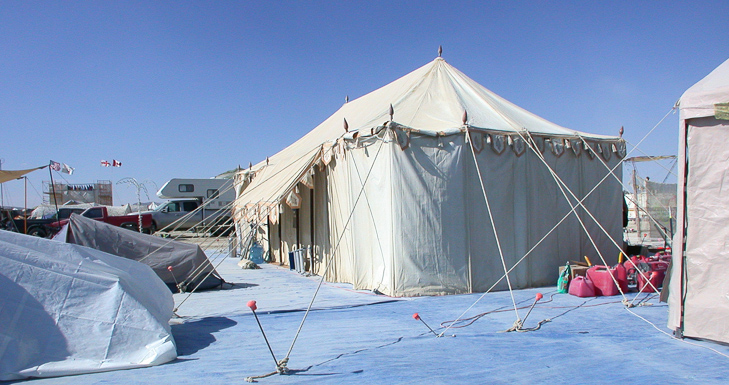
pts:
[516, 326]
[281, 367]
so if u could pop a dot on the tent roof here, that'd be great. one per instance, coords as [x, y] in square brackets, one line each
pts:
[432, 99]
[701, 98]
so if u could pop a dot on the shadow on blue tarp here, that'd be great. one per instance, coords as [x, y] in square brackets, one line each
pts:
[193, 336]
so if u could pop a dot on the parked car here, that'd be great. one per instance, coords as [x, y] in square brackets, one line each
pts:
[38, 227]
[101, 213]
[200, 204]
[183, 214]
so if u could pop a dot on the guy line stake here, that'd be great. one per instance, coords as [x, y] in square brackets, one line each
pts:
[252, 305]
[417, 317]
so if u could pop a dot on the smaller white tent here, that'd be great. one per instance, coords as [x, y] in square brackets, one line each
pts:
[67, 309]
[699, 289]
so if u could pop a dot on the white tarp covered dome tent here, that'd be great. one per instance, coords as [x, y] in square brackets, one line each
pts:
[393, 196]
[699, 288]
[67, 309]
[182, 266]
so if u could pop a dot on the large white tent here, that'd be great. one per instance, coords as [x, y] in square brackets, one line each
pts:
[425, 185]
[699, 289]
[67, 309]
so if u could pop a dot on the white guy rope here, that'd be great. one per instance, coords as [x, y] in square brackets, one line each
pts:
[493, 225]
[329, 259]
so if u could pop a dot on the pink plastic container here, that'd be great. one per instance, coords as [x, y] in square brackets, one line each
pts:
[582, 287]
[655, 278]
[658, 265]
[604, 284]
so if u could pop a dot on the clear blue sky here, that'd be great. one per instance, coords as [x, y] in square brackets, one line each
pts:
[192, 89]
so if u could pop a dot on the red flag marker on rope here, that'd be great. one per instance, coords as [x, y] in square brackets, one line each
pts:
[417, 317]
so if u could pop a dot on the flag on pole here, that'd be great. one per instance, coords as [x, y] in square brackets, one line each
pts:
[55, 166]
[116, 163]
[105, 163]
[67, 169]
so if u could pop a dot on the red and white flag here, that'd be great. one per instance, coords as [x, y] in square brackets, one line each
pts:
[55, 166]
[105, 163]
[116, 163]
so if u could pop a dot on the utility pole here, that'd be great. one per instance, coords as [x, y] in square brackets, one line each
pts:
[637, 204]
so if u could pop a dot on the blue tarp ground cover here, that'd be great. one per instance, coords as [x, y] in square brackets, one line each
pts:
[355, 337]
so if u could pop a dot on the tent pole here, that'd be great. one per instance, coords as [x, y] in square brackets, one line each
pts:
[53, 188]
[637, 209]
[683, 276]
[268, 232]
[468, 220]
[311, 220]
[25, 205]
[280, 241]
[297, 213]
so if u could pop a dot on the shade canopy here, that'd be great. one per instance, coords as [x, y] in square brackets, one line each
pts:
[6, 175]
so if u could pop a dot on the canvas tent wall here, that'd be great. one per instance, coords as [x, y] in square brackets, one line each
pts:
[699, 288]
[67, 309]
[396, 201]
[191, 268]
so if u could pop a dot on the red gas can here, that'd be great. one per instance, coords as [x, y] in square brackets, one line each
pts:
[658, 265]
[602, 279]
[582, 287]
[654, 277]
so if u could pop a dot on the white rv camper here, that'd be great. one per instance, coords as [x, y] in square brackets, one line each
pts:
[195, 203]
[219, 191]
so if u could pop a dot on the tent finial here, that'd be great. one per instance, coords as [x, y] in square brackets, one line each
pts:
[250, 165]
[392, 112]
[465, 116]
[622, 130]
[346, 125]
[266, 161]
[346, 99]
[440, 50]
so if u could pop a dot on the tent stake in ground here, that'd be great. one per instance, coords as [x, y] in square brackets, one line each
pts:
[280, 366]
[417, 317]
[169, 268]
[538, 297]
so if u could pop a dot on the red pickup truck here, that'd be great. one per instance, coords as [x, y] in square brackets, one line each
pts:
[100, 213]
